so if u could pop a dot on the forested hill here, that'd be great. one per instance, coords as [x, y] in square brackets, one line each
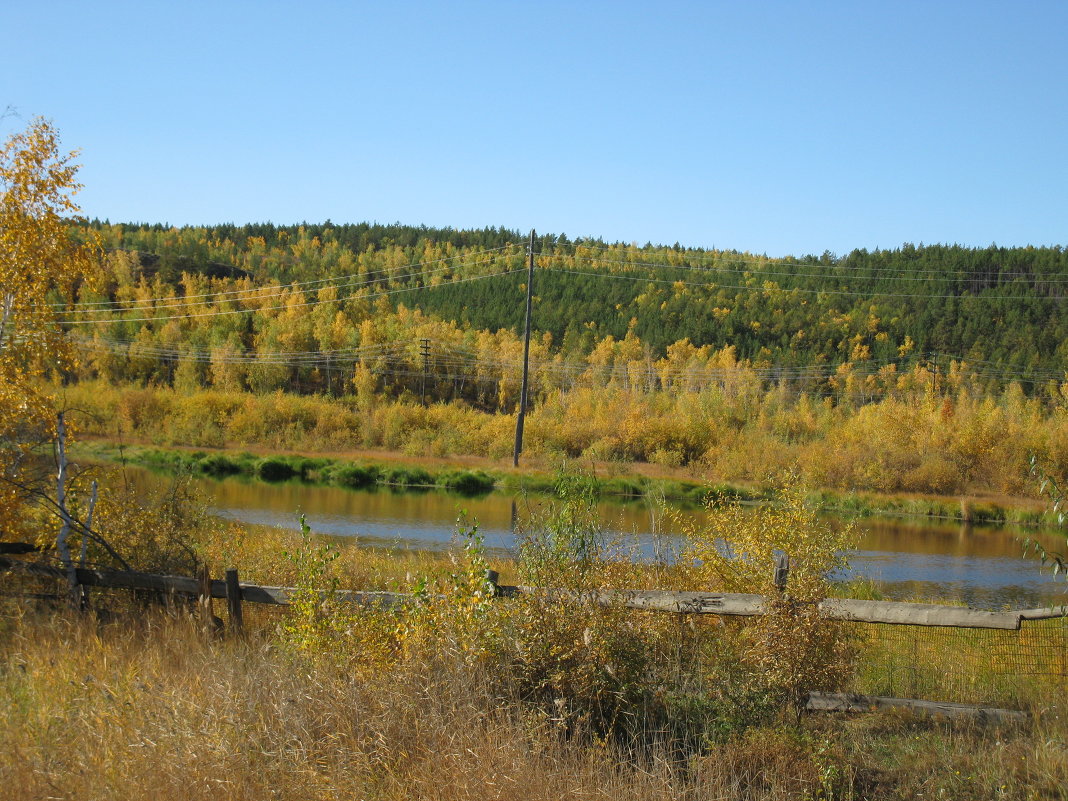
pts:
[998, 306]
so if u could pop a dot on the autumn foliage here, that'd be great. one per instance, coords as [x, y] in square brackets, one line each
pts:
[41, 265]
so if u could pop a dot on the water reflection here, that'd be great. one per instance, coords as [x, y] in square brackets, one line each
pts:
[908, 559]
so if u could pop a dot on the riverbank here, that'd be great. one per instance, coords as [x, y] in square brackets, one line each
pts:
[472, 475]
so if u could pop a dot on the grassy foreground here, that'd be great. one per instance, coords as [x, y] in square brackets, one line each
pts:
[149, 709]
[460, 696]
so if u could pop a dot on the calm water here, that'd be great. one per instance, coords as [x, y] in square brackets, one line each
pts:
[981, 566]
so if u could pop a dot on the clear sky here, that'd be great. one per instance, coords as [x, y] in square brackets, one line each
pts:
[779, 128]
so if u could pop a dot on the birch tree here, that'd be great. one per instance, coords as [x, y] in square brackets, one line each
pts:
[41, 265]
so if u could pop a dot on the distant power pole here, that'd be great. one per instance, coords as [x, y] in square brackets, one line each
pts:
[424, 349]
[526, 356]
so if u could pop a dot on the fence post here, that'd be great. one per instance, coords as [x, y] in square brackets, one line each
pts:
[208, 622]
[85, 544]
[233, 602]
[63, 539]
[782, 571]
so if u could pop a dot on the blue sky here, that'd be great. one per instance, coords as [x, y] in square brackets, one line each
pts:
[779, 128]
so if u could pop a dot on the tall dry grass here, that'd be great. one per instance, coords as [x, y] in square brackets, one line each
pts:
[147, 708]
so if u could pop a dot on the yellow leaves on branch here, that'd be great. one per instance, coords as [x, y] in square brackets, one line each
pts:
[792, 648]
[735, 550]
[40, 265]
[40, 262]
[37, 253]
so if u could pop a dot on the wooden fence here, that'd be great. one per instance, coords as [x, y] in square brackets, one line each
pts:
[895, 613]
[691, 603]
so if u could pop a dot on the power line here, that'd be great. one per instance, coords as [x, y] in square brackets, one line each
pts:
[251, 295]
[839, 292]
[898, 273]
[720, 262]
[90, 305]
[720, 256]
[224, 312]
[457, 360]
[257, 294]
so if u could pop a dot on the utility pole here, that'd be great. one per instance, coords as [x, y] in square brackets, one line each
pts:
[424, 349]
[526, 356]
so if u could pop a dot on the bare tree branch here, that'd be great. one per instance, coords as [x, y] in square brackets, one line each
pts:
[44, 497]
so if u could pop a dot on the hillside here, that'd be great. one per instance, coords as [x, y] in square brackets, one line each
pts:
[998, 308]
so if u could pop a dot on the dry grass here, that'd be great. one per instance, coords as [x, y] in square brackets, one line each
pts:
[147, 708]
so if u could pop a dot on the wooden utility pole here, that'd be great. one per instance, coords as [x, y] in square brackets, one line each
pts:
[526, 357]
[424, 350]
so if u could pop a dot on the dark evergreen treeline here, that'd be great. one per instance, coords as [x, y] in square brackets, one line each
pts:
[995, 304]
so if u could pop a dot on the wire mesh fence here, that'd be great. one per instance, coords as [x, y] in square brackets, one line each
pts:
[1014, 669]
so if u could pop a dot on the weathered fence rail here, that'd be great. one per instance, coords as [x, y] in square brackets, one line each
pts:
[746, 605]
[851, 702]
[732, 604]
[182, 585]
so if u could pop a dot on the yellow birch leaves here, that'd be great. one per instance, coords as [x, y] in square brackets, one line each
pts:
[40, 264]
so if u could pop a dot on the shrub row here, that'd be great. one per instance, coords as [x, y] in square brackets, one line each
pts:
[316, 470]
[412, 477]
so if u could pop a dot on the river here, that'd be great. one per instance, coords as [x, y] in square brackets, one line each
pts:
[908, 559]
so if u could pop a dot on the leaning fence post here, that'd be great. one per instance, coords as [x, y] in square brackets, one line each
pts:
[233, 601]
